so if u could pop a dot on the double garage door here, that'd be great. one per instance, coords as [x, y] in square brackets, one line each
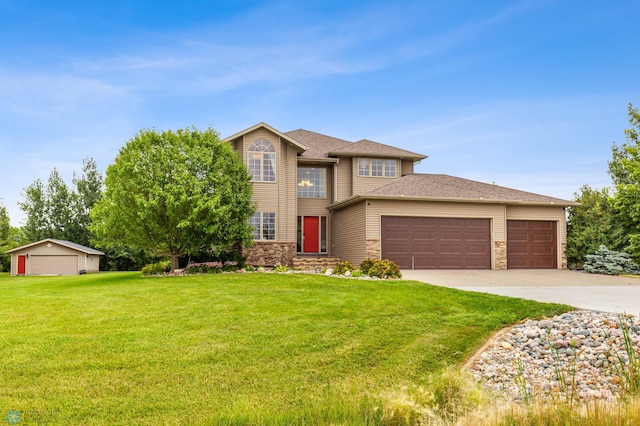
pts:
[462, 243]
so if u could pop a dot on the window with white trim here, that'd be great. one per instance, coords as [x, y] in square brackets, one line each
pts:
[262, 161]
[376, 167]
[264, 225]
[312, 182]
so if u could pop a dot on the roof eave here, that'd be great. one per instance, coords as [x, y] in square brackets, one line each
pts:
[318, 160]
[377, 155]
[360, 197]
[60, 243]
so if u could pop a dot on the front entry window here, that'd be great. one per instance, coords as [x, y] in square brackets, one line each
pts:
[312, 234]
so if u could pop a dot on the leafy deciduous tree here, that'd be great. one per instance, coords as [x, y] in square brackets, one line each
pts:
[591, 224]
[175, 193]
[625, 171]
[5, 238]
[57, 211]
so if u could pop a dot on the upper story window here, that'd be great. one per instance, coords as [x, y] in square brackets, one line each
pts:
[312, 182]
[376, 167]
[262, 161]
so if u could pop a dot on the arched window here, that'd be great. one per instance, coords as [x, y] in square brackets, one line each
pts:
[262, 161]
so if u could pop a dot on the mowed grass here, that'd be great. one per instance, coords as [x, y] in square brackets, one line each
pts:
[117, 348]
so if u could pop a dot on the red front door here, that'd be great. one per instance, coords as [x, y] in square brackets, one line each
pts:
[22, 265]
[310, 234]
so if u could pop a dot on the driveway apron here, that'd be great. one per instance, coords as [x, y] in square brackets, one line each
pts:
[578, 289]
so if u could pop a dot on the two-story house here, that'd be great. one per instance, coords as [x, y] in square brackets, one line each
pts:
[322, 197]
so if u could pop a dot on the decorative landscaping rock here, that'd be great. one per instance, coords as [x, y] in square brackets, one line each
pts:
[570, 355]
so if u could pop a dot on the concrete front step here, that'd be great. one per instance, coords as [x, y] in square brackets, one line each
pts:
[306, 263]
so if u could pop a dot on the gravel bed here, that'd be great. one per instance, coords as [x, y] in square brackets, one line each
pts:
[573, 355]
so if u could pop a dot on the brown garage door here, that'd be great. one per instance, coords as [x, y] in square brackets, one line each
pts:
[532, 244]
[54, 265]
[437, 243]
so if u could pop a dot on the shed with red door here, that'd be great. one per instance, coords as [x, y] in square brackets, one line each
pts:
[54, 257]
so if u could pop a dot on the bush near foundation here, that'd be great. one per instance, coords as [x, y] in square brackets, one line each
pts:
[609, 262]
[385, 269]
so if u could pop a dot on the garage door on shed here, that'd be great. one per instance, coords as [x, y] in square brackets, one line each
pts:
[54, 265]
[436, 242]
[532, 244]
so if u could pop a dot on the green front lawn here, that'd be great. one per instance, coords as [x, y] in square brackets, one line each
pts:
[117, 348]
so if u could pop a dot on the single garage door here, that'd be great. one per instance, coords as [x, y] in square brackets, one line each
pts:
[54, 265]
[532, 244]
[436, 243]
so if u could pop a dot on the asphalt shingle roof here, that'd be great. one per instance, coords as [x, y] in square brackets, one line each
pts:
[319, 145]
[439, 186]
[371, 148]
[323, 146]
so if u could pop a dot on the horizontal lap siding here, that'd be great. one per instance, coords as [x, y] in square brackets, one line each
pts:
[278, 197]
[345, 179]
[349, 233]
[407, 167]
[363, 184]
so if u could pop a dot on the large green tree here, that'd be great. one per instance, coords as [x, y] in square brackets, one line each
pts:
[625, 172]
[56, 210]
[6, 242]
[592, 223]
[175, 193]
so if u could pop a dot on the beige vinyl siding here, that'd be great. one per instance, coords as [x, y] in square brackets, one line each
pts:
[288, 205]
[378, 208]
[349, 233]
[345, 178]
[541, 213]
[407, 167]
[362, 184]
[91, 262]
[278, 197]
[237, 146]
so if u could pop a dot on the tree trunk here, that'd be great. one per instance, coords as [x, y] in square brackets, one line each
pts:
[174, 262]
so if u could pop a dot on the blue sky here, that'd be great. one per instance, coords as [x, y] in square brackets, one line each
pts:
[527, 94]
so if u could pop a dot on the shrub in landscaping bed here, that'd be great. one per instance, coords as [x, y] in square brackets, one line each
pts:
[385, 269]
[159, 268]
[342, 267]
[366, 264]
[215, 267]
[609, 262]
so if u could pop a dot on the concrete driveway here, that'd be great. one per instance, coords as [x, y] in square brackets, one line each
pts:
[578, 289]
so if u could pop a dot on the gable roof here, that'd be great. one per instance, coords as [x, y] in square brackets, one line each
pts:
[64, 243]
[262, 124]
[375, 149]
[439, 187]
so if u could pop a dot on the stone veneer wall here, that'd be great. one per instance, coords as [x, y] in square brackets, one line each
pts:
[373, 249]
[270, 253]
[500, 249]
[564, 255]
